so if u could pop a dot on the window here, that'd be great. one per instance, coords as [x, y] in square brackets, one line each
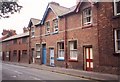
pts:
[24, 40]
[117, 7]
[24, 53]
[47, 27]
[15, 53]
[61, 50]
[15, 41]
[55, 25]
[38, 50]
[32, 31]
[117, 41]
[87, 16]
[73, 50]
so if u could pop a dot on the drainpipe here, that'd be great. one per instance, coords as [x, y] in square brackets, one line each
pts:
[65, 45]
[40, 29]
[29, 43]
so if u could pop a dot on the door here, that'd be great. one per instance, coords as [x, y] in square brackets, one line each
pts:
[88, 52]
[52, 57]
[44, 54]
[9, 55]
[19, 55]
[33, 56]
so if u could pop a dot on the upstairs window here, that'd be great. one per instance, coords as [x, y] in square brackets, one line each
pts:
[117, 7]
[61, 50]
[87, 16]
[117, 41]
[32, 32]
[73, 50]
[47, 27]
[55, 25]
[24, 40]
[15, 41]
[37, 50]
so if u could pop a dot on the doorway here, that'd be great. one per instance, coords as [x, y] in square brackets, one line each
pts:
[44, 54]
[51, 56]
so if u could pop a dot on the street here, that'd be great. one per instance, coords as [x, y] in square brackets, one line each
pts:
[15, 72]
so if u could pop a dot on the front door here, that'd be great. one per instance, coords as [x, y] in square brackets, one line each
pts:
[9, 55]
[33, 56]
[51, 56]
[88, 53]
[44, 54]
[19, 56]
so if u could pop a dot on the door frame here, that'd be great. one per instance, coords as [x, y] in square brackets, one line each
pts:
[85, 58]
[53, 57]
[9, 55]
[44, 55]
[19, 56]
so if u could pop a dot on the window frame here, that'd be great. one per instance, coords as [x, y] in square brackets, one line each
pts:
[32, 31]
[47, 25]
[73, 49]
[115, 8]
[37, 56]
[116, 41]
[24, 40]
[84, 17]
[55, 25]
[60, 48]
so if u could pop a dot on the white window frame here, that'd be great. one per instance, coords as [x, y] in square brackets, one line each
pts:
[73, 52]
[61, 51]
[47, 24]
[116, 42]
[55, 25]
[85, 16]
[37, 50]
[115, 7]
[32, 32]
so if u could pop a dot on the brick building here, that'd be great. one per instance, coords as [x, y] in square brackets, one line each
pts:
[85, 36]
[34, 40]
[16, 48]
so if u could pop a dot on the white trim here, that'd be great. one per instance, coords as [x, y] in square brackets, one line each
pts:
[115, 8]
[116, 45]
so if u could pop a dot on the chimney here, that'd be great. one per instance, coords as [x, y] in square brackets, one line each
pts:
[55, 3]
[77, 1]
[25, 30]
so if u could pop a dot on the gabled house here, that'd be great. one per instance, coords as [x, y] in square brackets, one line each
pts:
[34, 40]
[66, 37]
[81, 37]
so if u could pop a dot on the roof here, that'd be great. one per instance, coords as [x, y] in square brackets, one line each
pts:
[60, 11]
[16, 36]
[33, 22]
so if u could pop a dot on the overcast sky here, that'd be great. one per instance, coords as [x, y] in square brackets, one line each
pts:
[31, 9]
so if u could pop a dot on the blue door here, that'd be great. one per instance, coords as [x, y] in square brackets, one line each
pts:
[44, 54]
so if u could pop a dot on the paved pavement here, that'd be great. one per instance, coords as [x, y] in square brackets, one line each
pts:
[73, 72]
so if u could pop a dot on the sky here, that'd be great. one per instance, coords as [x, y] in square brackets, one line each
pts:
[31, 9]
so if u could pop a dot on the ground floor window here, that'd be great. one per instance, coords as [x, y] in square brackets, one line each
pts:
[7, 54]
[60, 50]
[37, 50]
[15, 53]
[73, 50]
[24, 53]
[117, 41]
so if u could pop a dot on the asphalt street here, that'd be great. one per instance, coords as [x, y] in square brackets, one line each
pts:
[15, 72]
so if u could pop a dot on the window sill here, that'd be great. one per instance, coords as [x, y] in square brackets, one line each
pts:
[116, 16]
[87, 26]
[116, 54]
[60, 59]
[54, 33]
[47, 34]
[72, 60]
[37, 57]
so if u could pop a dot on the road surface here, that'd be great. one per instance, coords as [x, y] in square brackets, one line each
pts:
[15, 72]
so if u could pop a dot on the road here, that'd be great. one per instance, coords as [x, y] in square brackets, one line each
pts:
[15, 72]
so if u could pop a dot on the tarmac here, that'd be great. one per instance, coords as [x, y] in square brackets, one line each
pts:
[73, 72]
